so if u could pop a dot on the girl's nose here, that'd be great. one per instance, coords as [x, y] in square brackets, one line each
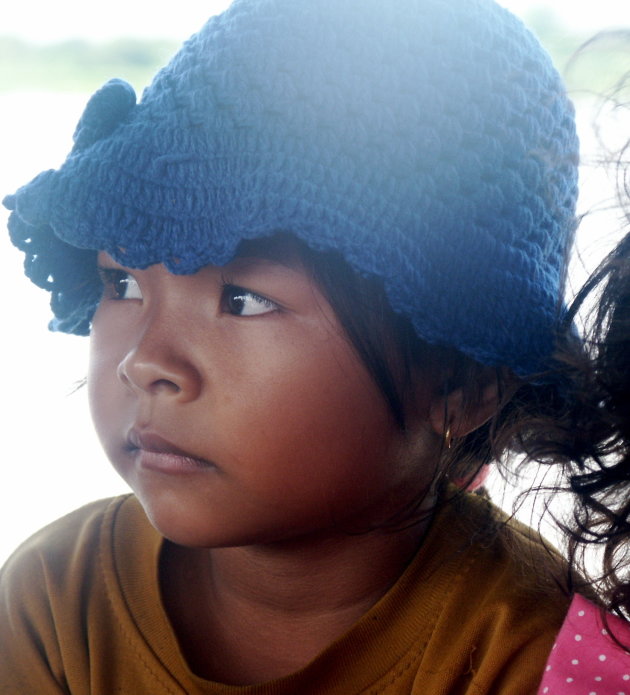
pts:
[155, 370]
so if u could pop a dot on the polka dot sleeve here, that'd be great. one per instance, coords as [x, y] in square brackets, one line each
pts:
[585, 660]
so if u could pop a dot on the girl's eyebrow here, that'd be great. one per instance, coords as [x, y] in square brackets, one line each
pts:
[249, 265]
[279, 249]
[259, 253]
[103, 259]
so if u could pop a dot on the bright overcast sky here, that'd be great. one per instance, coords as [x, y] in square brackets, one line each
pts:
[583, 15]
[52, 20]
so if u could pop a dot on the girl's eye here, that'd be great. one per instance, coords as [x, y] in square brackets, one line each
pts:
[119, 284]
[241, 302]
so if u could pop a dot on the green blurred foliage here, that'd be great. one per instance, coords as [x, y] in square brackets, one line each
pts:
[78, 65]
[588, 66]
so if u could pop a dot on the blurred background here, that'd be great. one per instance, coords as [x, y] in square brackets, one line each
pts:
[53, 55]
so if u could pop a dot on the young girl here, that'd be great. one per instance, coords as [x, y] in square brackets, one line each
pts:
[313, 261]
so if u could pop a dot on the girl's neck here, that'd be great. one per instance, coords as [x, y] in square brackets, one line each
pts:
[332, 574]
[245, 615]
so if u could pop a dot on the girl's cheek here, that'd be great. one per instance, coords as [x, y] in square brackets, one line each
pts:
[104, 386]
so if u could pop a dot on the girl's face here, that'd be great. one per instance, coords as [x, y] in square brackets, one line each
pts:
[234, 406]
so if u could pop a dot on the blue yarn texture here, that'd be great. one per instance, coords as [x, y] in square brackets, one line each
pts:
[431, 143]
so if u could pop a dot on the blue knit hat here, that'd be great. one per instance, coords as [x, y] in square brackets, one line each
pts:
[431, 143]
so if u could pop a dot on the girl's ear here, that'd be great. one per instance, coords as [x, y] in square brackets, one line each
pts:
[458, 415]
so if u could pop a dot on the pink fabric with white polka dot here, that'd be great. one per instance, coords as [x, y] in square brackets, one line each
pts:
[585, 660]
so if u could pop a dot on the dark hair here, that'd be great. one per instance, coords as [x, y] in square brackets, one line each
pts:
[590, 438]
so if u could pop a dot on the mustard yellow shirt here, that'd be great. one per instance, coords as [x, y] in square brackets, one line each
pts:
[80, 612]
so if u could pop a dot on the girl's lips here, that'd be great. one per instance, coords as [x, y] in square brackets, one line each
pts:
[156, 453]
